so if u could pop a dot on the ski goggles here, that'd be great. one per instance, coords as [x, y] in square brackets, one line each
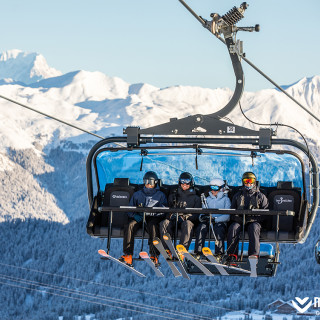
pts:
[185, 181]
[216, 188]
[249, 181]
[152, 182]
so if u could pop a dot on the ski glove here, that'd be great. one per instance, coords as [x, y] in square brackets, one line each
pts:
[204, 218]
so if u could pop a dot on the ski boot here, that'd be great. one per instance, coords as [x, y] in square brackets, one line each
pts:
[155, 260]
[169, 254]
[127, 259]
[197, 255]
[231, 260]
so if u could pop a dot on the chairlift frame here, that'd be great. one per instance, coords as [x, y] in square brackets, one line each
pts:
[212, 131]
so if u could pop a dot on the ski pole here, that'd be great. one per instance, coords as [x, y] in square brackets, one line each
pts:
[209, 230]
[143, 230]
[213, 233]
[176, 230]
[242, 242]
[109, 231]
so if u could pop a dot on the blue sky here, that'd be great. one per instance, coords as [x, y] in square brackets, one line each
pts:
[160, 43]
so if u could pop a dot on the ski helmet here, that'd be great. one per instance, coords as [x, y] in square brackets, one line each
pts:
[151, 178]
[186, 178]
[217, 184]
[249, 177]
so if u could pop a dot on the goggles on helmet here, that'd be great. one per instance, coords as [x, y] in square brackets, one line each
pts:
[185, 181]
[247, 181]
[151, 181]
[216, 188]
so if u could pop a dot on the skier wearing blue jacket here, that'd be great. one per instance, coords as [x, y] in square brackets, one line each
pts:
[217, 199]
[149, 196]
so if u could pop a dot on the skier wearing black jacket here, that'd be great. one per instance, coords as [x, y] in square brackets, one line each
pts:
[183, 197]
[149, 196]
[249, 197]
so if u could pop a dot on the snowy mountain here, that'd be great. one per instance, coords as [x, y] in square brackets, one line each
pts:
[105, 105]
[19, 66]
[43, 200]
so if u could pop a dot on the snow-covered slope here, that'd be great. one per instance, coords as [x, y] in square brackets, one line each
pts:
[24, 67]
[105, 105]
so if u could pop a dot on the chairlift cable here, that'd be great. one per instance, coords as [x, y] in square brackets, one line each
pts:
[117, 287]
[205, 25]
[100, 297]
[54, 118]
[278, 124]
[81, 299]
[285, 125]
[49, 116]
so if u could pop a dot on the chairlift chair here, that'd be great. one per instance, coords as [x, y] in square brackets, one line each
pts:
[290, 219]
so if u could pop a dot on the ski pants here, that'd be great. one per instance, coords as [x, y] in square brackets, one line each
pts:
[186, 226]
[220, 230]
[253, 229]
[130, 229]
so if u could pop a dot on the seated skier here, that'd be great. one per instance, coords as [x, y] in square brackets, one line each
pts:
[216, 199]
[149, 196]
[184, 197]
[249, 197]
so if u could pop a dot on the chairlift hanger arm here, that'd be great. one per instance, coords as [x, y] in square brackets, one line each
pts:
[211, 124]
[206, 24]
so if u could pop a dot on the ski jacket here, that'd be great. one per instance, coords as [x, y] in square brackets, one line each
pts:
[184, 199]
[221, 201]
[246, 200]
[148, 198]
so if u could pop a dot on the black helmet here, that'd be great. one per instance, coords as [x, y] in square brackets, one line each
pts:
[150, 177]
[187, 178]
[249, 175]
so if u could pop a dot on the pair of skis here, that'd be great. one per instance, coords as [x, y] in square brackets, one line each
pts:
[143, 255]
[182, 252]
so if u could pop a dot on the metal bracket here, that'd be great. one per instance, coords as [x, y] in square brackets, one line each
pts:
[133, 136]
[265, 138]
[237, 48]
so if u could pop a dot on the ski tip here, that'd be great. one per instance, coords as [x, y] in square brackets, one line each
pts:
[165, 237]
[155, 242]
[206, 251]
[181, 248]
[102, 252]
[143, 255]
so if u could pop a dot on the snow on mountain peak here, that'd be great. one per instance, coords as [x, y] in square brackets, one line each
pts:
[26, 67]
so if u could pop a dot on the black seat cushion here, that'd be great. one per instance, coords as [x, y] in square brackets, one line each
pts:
[285, 199]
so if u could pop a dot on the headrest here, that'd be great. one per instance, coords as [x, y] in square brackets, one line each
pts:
[121, 182]
[285, 185]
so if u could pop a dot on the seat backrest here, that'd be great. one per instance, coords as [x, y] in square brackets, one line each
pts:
[116, 195]
[285, 198]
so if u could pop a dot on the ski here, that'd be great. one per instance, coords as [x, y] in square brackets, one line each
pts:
[105, 255]
[208, 253]
[182, 250]
[167, 239]
[253, 260]
[157, 243]
[144, 255]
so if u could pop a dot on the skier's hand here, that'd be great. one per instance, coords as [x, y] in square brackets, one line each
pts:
[204, 218]
[173, 216]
